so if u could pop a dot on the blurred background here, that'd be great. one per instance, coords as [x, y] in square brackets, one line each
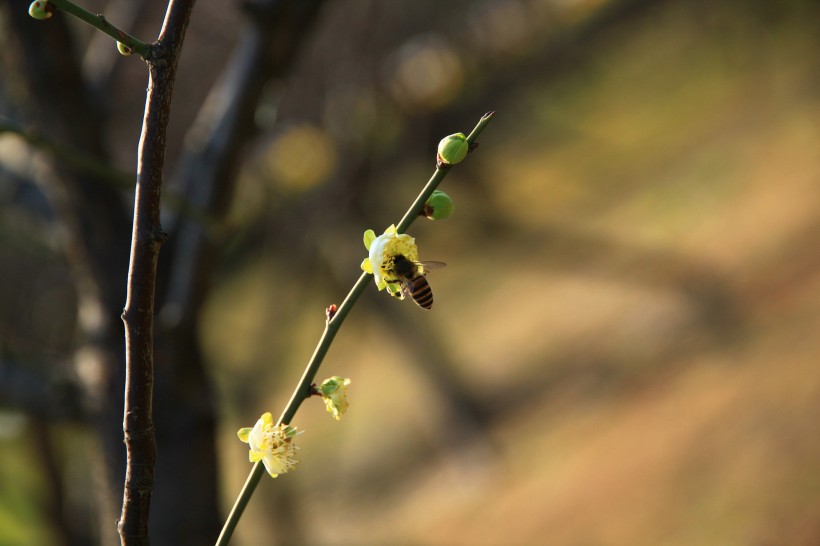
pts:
[624, 345]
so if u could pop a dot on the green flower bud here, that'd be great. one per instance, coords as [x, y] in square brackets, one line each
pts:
[439, 206]
[452, 149]
[334, 393]
[41, 9]
[124, 49]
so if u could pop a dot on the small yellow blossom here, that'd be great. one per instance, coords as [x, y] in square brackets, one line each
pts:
[272, 444]
[383, 251]
[334, 393]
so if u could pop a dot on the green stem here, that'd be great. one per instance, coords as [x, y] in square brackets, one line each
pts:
[299, 395]
[302, 390]
[417, 206]
[98, 21]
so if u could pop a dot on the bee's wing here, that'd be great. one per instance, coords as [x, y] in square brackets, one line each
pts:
[407, 288]
[427, 266]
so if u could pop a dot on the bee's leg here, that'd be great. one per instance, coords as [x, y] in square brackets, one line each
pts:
[400, 294]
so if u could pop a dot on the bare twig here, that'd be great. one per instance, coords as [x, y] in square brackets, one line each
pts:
[101, 23]
[206, 176]
[138, 315]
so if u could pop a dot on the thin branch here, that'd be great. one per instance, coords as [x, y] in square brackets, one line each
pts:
[138, 315]
[441, 171]
[332, 326]
[207, 175]
[98, 21]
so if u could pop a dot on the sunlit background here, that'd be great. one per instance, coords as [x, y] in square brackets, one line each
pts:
[624, 345]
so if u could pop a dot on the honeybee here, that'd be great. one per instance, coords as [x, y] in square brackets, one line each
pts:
[411, 276]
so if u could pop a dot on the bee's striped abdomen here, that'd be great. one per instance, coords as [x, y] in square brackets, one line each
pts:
[422, 293]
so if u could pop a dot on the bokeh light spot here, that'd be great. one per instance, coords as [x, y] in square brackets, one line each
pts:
[426, 73]
[301, 157]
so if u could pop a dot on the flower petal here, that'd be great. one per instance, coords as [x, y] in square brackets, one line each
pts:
[382, 251]
[272, 444]
[367, 267]
[369, 236]
[269, 467]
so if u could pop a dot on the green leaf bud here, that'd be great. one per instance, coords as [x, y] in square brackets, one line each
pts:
[439, 206]
[452, 149]
[124, 49]
[41, 9]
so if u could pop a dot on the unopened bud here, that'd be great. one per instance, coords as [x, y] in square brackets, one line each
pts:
[41, 9]
[452, 149]
[124, 49]
[334, 393]
[439, 206]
